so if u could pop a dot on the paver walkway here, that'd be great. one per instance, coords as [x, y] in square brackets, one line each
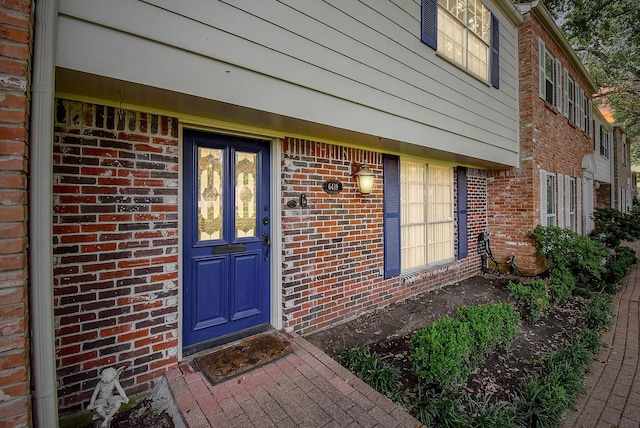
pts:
[309, 389]
[306, 388]
[613, 399]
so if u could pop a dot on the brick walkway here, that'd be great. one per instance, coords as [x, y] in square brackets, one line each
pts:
[613, 399]
[304, 389]
[308, 388]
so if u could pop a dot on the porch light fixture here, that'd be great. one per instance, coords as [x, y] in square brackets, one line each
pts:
[364, 176]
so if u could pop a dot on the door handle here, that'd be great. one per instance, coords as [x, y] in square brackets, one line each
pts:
[267, 243]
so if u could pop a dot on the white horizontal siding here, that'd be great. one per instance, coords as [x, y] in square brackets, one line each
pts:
[365, 60]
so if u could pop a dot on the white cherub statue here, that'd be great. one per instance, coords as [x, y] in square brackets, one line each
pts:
[103, 403]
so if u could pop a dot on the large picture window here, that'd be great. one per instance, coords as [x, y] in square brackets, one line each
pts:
[426, 212]
[464, 34]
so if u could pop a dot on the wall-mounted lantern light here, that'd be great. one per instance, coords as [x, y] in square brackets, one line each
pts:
[364, 176]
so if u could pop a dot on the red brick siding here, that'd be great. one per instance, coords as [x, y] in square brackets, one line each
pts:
[115, 247]
[333, 249]
[547, 141]
[15, 68]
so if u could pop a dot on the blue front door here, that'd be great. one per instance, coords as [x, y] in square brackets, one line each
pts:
[226, 239]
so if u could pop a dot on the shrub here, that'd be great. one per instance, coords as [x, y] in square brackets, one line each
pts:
[443, 409]
[533, 297]
[599, 312]
[561, 285]
[490, 325]
[582, 256]
[373, 369]
[612, 226]
[441, 352]
[617, 267]
[446, 351]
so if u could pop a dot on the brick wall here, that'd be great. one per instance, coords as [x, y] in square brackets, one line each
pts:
[333, 249]
[547, 141]
[622, 175]
[115, 247]
[15, 69]
[603, 196]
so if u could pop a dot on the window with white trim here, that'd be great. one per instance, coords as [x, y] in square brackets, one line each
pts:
[426, 214]
[464, 34]
[604, 143]
[571, 91]
[572, 198]
[550, 76]
[550, 192]
[624, 150]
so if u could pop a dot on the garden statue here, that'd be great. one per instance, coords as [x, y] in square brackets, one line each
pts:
[104, 403]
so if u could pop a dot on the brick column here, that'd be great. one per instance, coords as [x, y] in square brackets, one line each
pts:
[15, 69]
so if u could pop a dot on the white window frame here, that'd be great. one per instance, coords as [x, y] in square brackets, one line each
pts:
[410, 250]
[550, 76]
[571, 192]
[548, 211]
[470, 37]
[624, 150]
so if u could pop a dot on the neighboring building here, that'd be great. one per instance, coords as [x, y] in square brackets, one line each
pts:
[203, 159]
[623, 184]
[553, 185]
[603, 157]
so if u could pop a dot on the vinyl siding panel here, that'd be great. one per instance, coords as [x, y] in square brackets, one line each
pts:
[365, 61]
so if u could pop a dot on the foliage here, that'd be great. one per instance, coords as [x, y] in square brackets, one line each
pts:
[441, 352]
[618, 264]
[582, 256]
[599, 312]
[612, 226]
[533, 297]
[561, 284]
[448, 409]
[546, 397]
[604, 34]
[446, 351]
[373, 369]
[491, 326]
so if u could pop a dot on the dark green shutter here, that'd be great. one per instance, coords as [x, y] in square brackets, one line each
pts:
[391, 183]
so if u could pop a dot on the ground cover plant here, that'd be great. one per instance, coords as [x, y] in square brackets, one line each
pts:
[530, 380]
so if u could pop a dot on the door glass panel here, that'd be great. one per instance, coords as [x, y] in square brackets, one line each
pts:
[246, 188]
[210, 173]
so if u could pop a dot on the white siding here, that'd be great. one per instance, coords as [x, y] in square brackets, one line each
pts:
[603, 165]
[354, 65]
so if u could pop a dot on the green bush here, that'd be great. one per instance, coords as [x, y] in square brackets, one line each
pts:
[446, 351]
[617, 267]
[373, 369]
[491, 326]
[442, 409]
[582, 256]
[599, 312]
[533, 297]
[561, 285]
[441, 352]
[612, 226]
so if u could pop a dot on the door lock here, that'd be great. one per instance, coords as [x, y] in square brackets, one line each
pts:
[267, 243]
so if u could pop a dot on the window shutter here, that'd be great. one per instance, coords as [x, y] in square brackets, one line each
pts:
[579, 209]
[429, 27]
[590, 107]
[558, 84]
[566, 93]
[463, 236]
[391, 189]
[543, 197]
[567, 201]
[495, 51]
[560, 200]
[541, 77]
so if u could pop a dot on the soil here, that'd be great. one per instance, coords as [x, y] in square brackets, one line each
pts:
[388, 331]
[142, 415]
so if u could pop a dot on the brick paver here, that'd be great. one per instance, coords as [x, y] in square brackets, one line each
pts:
[614, 387]
[305, 388]
[308, 388]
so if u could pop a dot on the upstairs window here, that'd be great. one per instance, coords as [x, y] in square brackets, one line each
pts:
[466, 32]
[550, 80]
[604, 143]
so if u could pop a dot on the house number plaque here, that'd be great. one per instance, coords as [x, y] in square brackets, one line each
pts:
[332, 187]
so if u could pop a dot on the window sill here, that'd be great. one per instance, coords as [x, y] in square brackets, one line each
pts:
[463, 69]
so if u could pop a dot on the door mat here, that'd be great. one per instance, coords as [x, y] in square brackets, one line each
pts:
[237, 359]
